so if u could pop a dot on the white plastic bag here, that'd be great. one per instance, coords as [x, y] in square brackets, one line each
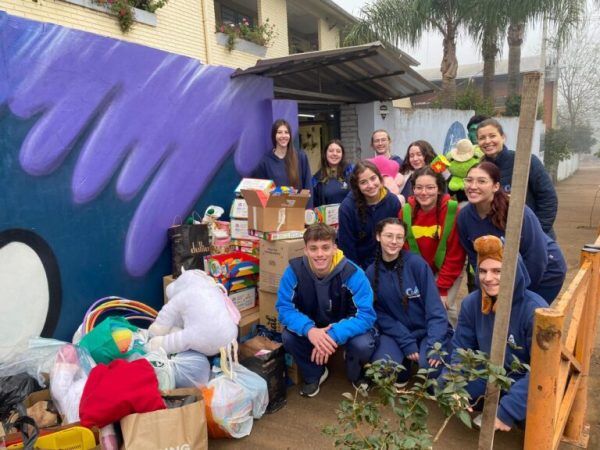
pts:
[67, 380]
[255, 386]
[190, 369]
[162, 368]
[35, 360]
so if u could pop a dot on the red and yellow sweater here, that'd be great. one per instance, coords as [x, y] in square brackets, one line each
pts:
[424, 226]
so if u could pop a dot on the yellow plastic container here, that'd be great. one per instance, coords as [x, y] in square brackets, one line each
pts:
[74, 438]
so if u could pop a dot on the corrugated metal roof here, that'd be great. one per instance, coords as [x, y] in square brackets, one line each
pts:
[358, 74]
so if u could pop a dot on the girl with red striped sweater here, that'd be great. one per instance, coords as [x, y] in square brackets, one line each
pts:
[430, 216]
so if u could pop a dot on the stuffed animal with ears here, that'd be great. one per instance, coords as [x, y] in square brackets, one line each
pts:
[460, 160]
[198, 316]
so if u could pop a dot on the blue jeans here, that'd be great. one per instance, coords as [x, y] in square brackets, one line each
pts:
[358, 353]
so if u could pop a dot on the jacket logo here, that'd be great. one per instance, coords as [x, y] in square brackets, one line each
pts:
[413, 292]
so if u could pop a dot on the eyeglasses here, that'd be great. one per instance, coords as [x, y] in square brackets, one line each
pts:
[431, 188]
[392, 237]
[477, 181]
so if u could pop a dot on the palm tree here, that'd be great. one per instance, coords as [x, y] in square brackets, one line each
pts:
[406, 20]
[565, 14]
[487, 24]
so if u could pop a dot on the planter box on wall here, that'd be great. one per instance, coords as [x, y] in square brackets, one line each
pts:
[139, 15]
[242, 45]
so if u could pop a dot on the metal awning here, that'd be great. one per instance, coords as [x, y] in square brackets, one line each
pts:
[358, 74]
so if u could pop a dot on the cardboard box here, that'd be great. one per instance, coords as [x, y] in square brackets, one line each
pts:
[328, 214]
[256, 184]
[268, 313]
[239, 209]
[284, 212]
[250, 317]
[276, 235]
[274, 259]
[239, 229]
[244, 299]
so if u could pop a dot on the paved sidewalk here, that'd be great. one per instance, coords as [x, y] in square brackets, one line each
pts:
[299, 424]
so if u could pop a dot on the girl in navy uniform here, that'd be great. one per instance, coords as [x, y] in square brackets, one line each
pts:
[330, 183]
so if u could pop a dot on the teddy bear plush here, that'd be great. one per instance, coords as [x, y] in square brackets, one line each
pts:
[198, 316]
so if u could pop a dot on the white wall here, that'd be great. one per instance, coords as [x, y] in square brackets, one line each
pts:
[568, 167]
[408, 125]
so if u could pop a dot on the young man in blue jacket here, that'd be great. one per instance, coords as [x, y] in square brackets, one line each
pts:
[476, 326]
[324, 302]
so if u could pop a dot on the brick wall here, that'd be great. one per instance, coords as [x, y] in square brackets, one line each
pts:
[349, 132]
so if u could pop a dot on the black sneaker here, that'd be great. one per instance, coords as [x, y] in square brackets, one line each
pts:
[312, 389]
[363, 384]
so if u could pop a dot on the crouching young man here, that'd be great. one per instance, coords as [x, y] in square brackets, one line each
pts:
[324, 302]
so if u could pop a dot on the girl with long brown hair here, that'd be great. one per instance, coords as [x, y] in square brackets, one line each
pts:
[330, 183]
[486, 214]
[367, 203]
[285, 165]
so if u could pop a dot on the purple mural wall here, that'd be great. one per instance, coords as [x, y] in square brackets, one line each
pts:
[115, 139]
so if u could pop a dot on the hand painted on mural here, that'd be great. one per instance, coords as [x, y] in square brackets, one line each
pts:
[154, 125]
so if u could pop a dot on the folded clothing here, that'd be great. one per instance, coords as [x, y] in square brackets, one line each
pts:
[118, 389]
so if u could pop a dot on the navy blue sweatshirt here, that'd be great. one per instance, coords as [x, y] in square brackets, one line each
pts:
[474, 331]
[541, 195]
[273, 168]
[330, 190]
[541, 255]
[424, 317]
[357, 238]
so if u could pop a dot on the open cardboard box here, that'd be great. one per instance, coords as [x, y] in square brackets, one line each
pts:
[282, 212]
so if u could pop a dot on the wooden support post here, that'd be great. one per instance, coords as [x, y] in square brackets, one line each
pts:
[545, 365]
[512, 233]
[576, 431]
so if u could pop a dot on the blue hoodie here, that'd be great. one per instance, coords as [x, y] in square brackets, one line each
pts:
[423, 317]
[541, 255]
[272, 167]
[332, 190]
[541, 195]
[474, 331]
[356, 238]
[343, 298]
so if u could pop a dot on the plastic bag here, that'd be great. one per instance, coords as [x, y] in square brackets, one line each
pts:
[190, 368]
[13, 390]
[163, 368]
[114, 338]
[256, 388]
[228, 408]
[67, 380]
[36, 360]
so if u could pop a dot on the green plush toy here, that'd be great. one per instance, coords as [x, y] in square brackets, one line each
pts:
[460, 160]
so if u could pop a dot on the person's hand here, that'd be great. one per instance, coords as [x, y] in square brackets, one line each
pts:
[434, 362]
[319, 338]
[445, 301]
[413, 356]
[319, 358]
[499, 425]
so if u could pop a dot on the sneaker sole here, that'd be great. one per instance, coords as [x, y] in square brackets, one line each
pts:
[321, 381]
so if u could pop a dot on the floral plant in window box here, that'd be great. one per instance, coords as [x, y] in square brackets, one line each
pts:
[123, 9]
[262, 35]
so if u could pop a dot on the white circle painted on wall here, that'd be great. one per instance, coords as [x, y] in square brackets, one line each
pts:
[30, 290]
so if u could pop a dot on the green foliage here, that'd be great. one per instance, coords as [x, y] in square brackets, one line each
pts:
[513, 106]
[471, 98]
[556, 146]
[123, 9]
[259, 34]
[396, 417]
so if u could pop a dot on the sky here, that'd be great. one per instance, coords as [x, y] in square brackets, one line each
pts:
[429, 52]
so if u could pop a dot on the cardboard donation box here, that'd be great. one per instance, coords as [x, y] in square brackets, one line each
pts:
[274, 259]
[247, 323]
[267, 311]
[181, 426]
[283, 212]
[244, 299]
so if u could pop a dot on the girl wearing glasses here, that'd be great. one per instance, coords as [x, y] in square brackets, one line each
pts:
[430, 218]
[367, 203]
[486, 214]
[410, 315]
